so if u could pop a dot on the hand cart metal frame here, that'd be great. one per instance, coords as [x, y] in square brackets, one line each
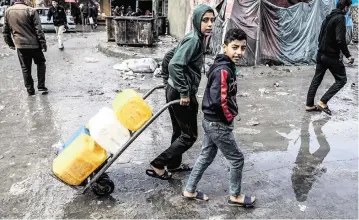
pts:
[99, 181]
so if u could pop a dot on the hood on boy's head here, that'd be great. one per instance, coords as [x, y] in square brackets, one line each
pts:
[198, 13]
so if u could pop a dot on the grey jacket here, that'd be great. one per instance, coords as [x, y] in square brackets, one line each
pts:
[22, 28]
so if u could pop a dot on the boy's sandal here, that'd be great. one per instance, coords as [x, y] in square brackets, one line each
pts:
[326, 110]
[165, 176]
[247, 202]
[182, 168]
[315, 109]
[199, 196]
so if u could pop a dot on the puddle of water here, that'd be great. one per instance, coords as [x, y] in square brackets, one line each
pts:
[319, 147]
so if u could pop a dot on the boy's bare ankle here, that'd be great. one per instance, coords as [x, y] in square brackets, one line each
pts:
[322, 104]
[158, 171]
[188, 194]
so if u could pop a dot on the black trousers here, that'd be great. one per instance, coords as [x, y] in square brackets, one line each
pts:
[184, 123]
[25, 57]
[337, 68]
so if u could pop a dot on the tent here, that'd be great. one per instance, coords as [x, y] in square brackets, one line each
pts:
[288, 35]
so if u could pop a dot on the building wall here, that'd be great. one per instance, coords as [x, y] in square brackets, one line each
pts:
[178, 11]
[180, 15]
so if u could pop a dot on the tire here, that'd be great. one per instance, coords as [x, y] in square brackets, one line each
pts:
[103, 186]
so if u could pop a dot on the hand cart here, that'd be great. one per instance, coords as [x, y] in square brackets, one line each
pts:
[99, 181]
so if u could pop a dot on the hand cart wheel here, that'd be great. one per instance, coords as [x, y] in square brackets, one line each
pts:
[103, 186]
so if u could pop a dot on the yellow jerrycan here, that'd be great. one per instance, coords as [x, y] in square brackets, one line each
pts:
[76, 162]
[131, 109]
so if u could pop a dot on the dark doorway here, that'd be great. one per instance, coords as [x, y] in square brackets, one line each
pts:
[145, 5]
[125, 3]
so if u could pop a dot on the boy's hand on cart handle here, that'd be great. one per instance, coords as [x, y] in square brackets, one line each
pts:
[185, 101]
[351, 60]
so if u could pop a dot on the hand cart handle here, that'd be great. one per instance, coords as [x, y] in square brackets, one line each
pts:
[129, 142]
[152, 90]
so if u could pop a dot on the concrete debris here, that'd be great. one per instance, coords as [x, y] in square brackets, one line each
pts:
[143, 65]
[121, 67]
[276, 84]
[2, 107]
[91, 60]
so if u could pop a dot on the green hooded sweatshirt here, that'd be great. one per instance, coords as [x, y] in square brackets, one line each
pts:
[186, 64]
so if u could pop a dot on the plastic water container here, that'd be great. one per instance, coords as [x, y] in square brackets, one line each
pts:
[81, 130]
[107, 131]
[76, 162]
[131, 109]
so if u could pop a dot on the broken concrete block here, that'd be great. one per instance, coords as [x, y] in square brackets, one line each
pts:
[143, 65]
[121, 67]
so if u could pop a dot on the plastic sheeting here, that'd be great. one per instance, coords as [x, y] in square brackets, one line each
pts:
[288, 35]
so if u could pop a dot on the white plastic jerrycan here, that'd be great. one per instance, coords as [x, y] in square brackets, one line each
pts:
[107, 131]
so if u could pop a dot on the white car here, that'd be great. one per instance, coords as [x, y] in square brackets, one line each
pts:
[48, 26]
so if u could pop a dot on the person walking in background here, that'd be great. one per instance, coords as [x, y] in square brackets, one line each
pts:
[57, 13]
[332, 41]
[22, 31]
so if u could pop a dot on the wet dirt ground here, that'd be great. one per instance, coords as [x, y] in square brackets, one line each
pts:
[297, 164]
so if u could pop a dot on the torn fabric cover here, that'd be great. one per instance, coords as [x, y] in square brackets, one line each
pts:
[288, 35]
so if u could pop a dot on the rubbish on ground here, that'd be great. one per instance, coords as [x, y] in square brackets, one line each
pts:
[149, 191]
[91, 60]
[262, 90]
[253, 123]
[282, 93]
[276, 84]
[257, 144]
[302, 207]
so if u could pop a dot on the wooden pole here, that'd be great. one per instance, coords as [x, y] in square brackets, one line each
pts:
[258, 34]
[155, 8]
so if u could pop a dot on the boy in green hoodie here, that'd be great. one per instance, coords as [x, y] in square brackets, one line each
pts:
[184, 78]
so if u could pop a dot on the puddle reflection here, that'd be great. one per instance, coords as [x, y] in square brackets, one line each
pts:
[307, 168]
